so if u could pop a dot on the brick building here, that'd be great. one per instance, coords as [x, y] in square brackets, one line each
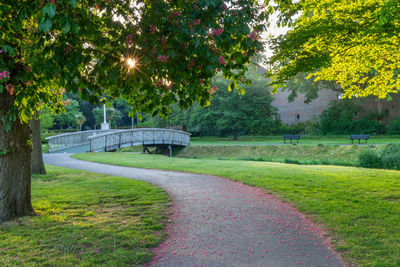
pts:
[298, 111]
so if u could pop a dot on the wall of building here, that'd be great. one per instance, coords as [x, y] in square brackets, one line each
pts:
[390, 109]
[298, 111]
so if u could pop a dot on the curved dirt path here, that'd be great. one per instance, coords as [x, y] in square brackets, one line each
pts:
[218, 222]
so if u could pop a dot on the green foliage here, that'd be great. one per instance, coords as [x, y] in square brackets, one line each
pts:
[296, 128]
[3, 152]
[80, 120]
[338, 118]
[366, 126]
[391, 157]
[353, 43]
[68, 118]
[46, 120]
[84, 47]
[388, 158]
[370, 159]
[112, 115]
[308, 87]
[230, 111]
[394, 126]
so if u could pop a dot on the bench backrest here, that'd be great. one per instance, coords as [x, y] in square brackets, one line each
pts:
[359, 136]
[291, 136]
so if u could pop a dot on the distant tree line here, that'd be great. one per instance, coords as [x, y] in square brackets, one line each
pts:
[230, 113]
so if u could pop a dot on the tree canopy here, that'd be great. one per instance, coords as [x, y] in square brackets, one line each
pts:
[354, 43]
[230, 112]
[153, 53]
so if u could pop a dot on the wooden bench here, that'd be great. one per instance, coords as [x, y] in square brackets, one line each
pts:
[291, 137]
[359, 137]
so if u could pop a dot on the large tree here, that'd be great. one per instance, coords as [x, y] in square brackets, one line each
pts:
[230, 112]
[151, 52]
[354, 43]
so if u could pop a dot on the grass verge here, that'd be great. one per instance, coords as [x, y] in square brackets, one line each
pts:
[305, 154]
[277, 139]
[86, 219]
[359, 207]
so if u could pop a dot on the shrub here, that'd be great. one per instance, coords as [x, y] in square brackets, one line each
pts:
[337, 118]
[390, 157]
[370, 159]
[297, 128]
[394, 126]
[367, 126]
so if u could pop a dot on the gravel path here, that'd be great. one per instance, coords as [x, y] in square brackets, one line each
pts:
[218, 222]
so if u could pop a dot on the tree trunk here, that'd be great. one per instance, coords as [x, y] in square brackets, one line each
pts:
[37, 164]
[15, 166]
[235, 135]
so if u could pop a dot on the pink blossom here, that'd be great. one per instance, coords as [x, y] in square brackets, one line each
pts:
[223, 6]
[1, 51]
[217, 32]
[129, 39]
[10, 88]
[67, 102]
[159, 83]
[162, 58]
[196, 21]
[254, 35]
[176, 13]
[222, 60]
[4, 74]
[213, 89]
[68, 49]
[152, 29]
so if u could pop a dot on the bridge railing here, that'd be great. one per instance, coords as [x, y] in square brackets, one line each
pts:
[144, 136]
[62, 141]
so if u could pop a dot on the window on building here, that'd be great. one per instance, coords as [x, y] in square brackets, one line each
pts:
[297, 116]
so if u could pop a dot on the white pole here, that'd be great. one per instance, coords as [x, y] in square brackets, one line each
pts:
[104, 107]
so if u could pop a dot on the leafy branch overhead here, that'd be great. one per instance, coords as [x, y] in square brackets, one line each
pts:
[153, 53]
[354, 43]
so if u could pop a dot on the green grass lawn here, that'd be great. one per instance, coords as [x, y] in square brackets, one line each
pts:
[304, 139]
[304, 154]
[86, 219]
[360, 208]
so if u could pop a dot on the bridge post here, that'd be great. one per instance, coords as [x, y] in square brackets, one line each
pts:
[170, 151]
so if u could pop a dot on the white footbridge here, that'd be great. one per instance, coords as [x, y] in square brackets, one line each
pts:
[110, 140]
